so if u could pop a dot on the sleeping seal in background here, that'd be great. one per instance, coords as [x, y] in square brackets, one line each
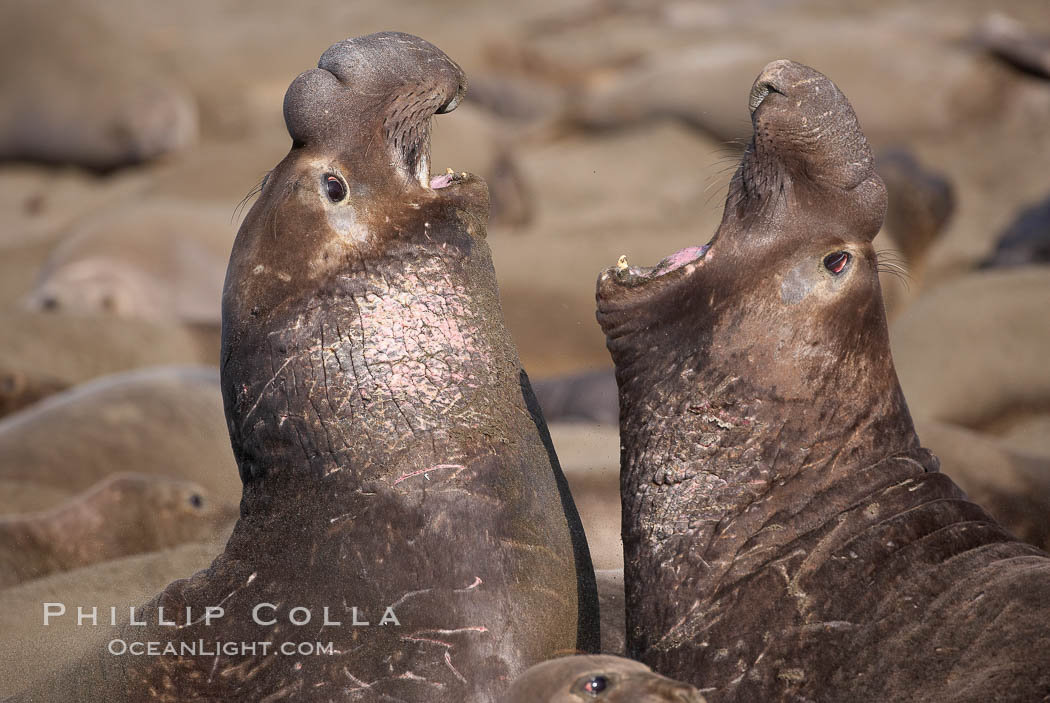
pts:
[159, 259]
[122, 515]
[785, 535]
[75, 93]
[396, 469]
[163, 421]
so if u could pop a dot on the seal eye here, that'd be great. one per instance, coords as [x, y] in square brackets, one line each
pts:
[196, 501]
[836, 262]
[595, 685]
[336, 189]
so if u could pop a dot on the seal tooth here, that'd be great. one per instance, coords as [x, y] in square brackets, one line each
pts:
[423, 170]
[621, 263]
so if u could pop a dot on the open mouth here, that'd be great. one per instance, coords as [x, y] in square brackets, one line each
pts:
[684, 262]
[446, 179]
[414, 145]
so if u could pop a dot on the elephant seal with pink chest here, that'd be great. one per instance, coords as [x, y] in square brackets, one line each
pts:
[396, 470]
[786, 537]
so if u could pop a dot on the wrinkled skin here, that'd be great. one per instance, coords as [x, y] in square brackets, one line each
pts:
[785, 536]
[598, 679]
[389, 444]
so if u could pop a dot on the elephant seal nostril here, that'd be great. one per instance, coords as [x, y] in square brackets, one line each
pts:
[455, 101]
[760, 91]
[758, 94]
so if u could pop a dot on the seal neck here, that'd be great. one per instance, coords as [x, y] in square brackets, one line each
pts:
[396, 367]
[710, 456]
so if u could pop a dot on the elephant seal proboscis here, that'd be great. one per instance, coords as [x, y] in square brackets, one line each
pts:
[785, 535]
[606, 678]
[122, 515]
[405, 532]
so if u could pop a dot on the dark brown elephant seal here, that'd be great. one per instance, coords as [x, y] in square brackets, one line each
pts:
[586, 396]
[1025, 241]
[921, 202]
[583, 678]
[396, 470]
[122, 515]
[785, 535]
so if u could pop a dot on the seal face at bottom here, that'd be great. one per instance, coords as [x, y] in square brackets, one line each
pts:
[605, 678]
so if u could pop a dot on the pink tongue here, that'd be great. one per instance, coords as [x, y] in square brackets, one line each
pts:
[441, 181]
[680, 258]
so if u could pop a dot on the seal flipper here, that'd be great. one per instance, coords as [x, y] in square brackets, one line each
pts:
[589, 626]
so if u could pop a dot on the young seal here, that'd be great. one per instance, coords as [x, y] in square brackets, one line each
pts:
[967, 352]
[31, 647]
[42, 354]
[161, 259]
[785, 535]
[610, 679]
[160, 420]
[124, 514]
[82, 95]
[396, 469]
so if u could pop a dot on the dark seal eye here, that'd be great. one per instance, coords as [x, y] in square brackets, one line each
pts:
[595, 685]
[836, 262]
[196, 501]
[336, 189]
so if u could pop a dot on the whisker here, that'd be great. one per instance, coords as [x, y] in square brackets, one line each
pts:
[256, 189]
[894, 268]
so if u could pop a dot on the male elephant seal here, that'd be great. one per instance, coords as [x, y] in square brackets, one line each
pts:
[122, 515]
[785, 536]
[396, 470]
[582, 679]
